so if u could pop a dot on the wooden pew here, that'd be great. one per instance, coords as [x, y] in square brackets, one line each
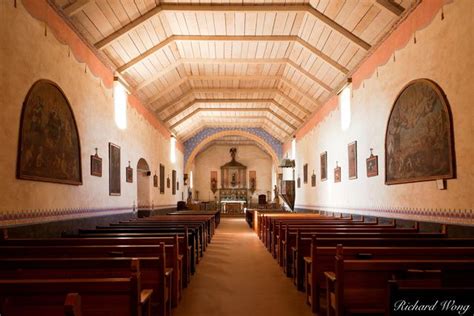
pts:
[107, 251]
[289, 246]
[323, 259]
[360, 286]
[278, 228]
[196, 238]
[195, 253]
[149, 272]
[99, 296]
[125, 243]
[70, 306]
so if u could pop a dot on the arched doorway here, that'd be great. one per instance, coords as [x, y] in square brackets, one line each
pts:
[143, 184]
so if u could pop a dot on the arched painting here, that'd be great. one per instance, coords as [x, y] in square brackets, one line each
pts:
[418, 140]
[49, 148]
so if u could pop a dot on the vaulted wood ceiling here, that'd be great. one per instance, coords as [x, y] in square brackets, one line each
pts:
[267, 64]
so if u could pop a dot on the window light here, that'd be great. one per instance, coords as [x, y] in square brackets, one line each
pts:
[120, 105]
[345, 107]
[191, 180]
[293, 148]
[173, 149]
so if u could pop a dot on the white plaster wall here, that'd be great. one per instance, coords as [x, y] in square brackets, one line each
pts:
[27, 55]
[444, 53]
[215, 156]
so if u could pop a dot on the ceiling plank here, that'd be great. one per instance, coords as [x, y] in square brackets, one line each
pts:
[274, 7]
[209, 77]
[145, 55]
[249, 38]
[391, 6]
[309, 75]
[323, 56]
[108, 40]
[294, 103]
[187, 117]
[339, 28]
[230, 101]
[75, 7]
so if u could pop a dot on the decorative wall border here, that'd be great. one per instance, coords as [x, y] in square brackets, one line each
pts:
[197, 139]
[441, 216]
[419, 18]
[41, 216]
[66, 34]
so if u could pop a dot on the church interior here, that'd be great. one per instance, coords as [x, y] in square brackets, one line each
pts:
[228, 158]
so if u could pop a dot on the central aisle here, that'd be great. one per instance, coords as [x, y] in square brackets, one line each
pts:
[238, 277]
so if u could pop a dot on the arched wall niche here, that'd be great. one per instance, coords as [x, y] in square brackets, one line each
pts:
[143, 183]
[419, 138]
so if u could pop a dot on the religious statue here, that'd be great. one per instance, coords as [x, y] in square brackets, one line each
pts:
[233, 152]
[276, 199]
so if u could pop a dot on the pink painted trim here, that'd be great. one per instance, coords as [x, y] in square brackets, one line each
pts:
[420, 18]
[42, 11]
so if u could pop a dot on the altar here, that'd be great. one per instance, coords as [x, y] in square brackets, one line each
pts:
[232, 207]
[233, 195]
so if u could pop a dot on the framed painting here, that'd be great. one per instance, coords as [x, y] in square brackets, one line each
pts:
[313, 179]
[352, 158]
[155, 181]
[177, 185]
[305, 173]
[96, 165]
[114, 170]
[372, 165]
[168, 182]
[48, 147]
[337, 174]
[419, 142]
[185, 179]
[298, 182]
[162, 179]
[129, 173]
[173, 182]
[324, 166]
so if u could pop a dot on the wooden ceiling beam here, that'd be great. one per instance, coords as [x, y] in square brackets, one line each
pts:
[269, 38]
[274, 7]
[232, 91]
[339, 28]
[75, 7]
[232, 101]
[390, 6]
[201, 109]
[294, 103]
[309, 75]
[146, 54]
[208, 77]
[108, 40]
[227, 61]
[246, 117]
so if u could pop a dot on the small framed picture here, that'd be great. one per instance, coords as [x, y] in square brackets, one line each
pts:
[352, 158]
[313, 179]
[372, 165]
[155, 181]
[96, 165]
[337, 174]
[324, 166]
[129, 173]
